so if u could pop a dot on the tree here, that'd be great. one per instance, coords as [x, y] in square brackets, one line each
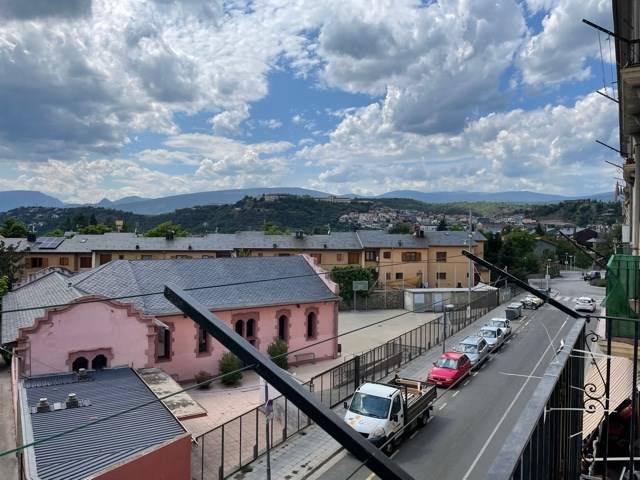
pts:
[442, 225]
[13, 228]
[277, 352]
[228, 366]
[93, 220]
[271, 228]
[162, 229]
[539, 230]
[94, 229]
[4, 285]
[55, 233]
[401, 227]
[10, 263]
[345, 276]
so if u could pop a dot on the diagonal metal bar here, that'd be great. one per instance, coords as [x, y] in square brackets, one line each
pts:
[525, 286]
[355, 443]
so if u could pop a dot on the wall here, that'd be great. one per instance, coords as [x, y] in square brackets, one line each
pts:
[328, 258]
[171, 461]
[112, 326]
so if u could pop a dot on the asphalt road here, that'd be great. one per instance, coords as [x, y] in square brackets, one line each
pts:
[470, 423]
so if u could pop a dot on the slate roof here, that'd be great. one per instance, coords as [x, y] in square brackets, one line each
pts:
[92, 449]
[122, 242]
[132, 277]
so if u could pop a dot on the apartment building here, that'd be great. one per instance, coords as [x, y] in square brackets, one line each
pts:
[427, 258]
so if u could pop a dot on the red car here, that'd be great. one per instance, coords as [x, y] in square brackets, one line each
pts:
[450, 368]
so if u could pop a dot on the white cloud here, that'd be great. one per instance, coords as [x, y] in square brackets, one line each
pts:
[271, 124]
[559, 52]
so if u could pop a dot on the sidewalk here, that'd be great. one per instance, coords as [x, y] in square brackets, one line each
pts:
[303, 454]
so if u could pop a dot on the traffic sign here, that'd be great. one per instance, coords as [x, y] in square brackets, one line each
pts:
[360, 285]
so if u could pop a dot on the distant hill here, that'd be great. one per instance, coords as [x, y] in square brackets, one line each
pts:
[500, 197]
[26, 198]
[106, 203]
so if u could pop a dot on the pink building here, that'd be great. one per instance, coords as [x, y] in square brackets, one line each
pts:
[261, 298]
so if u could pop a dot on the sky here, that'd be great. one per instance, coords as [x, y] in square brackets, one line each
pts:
[112, 98]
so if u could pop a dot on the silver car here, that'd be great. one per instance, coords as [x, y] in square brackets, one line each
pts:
[585, 304]
[476, 348]
[494, 337]
[502, 323]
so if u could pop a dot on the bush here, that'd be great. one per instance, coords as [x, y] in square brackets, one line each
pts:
[203, 376]
[344, 277]
[229, 363]
[277, 348]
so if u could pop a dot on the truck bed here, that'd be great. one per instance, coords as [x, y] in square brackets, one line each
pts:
[418, 395]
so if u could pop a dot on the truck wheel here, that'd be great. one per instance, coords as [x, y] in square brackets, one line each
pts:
[390, 447]
[422, 421]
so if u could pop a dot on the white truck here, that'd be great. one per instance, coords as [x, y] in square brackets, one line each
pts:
[384, 412]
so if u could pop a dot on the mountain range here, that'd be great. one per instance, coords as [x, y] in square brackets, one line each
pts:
[153, 206]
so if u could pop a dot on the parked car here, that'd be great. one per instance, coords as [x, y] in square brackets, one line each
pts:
[494, 337]
[503, 324]
[380, 411]
[476, 348]
[592, 275]
[585, 304]
[450, 368]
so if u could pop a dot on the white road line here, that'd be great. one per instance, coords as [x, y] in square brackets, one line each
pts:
[430, 418]
[371, 476]
[413, 435]
[506, 412]
[465, 383]
[490, 358]
[442, 406]
[455, 393]
[474, 373]
[394, 453]
[508, 340]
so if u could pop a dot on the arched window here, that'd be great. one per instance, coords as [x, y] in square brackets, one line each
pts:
[312, 321]
[283, 325]
[251, 331]
[79, 363]
[99, 362]
[239, 328]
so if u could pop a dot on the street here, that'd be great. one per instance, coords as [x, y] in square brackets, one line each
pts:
[470, 423]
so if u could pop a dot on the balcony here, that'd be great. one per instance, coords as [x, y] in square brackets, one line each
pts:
[623, 286]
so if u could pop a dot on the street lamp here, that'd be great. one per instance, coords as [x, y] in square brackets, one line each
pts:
[447, 308]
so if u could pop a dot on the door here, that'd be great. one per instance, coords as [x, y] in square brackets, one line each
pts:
[397, 414]
[354, 258]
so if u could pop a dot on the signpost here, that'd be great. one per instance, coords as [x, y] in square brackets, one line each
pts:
[358, 286]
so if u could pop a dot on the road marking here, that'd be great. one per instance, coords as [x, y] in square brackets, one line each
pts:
[474, 373]
[490, 358]
[465, 383]
[455, 393]
[509, 340]
[430, 418]
[394, 453]
[513, 402]
[413, 435]
[371, 476]
[442, 406]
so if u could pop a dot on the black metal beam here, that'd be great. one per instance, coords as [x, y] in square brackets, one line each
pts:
[609, 147]
[525, 286]
[354, 442]
[608, 96]
[609, 32]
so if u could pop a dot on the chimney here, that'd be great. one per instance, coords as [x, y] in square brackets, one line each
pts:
[72, 401]
[82, 374]
[43, 405]
[31, 237]
[299, 234]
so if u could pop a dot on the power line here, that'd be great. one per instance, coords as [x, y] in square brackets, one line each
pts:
[209, 381]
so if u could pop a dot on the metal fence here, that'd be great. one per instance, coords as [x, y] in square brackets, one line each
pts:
[230, 447]
[546, 442]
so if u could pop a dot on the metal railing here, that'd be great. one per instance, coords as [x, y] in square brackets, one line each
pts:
[231, 446]
[546, 442]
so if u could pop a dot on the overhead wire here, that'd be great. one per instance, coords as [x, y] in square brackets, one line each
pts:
[207, 382]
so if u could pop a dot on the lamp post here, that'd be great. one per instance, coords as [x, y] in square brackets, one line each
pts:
[447, 308]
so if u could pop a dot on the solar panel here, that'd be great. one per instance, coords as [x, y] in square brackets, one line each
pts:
[49, 242]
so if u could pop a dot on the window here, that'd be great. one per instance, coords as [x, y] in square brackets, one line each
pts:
[239, 328]
[146, 257]
[259, 254]
[208, 256]
[163, 346]
[369, 255]
[386, 255]
[283, 326]
[395, 407]
[223, 254]
[79, 363]
[387, 276]
[441, 257]
[183, 256]
[317, 257]
[411, 256]
[354, 258]
[85, 262]
[312, 328]
[64, 261]
[105, 258]
[339, 257]
[99, 362]
[203, 340]
[251, 331]
[36, 262]
[442, 275]
[284, 254]
[120, 257]
[459, 285]
[399, 276]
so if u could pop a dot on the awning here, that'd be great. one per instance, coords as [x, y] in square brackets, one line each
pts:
[620, 389]
[160, 324]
